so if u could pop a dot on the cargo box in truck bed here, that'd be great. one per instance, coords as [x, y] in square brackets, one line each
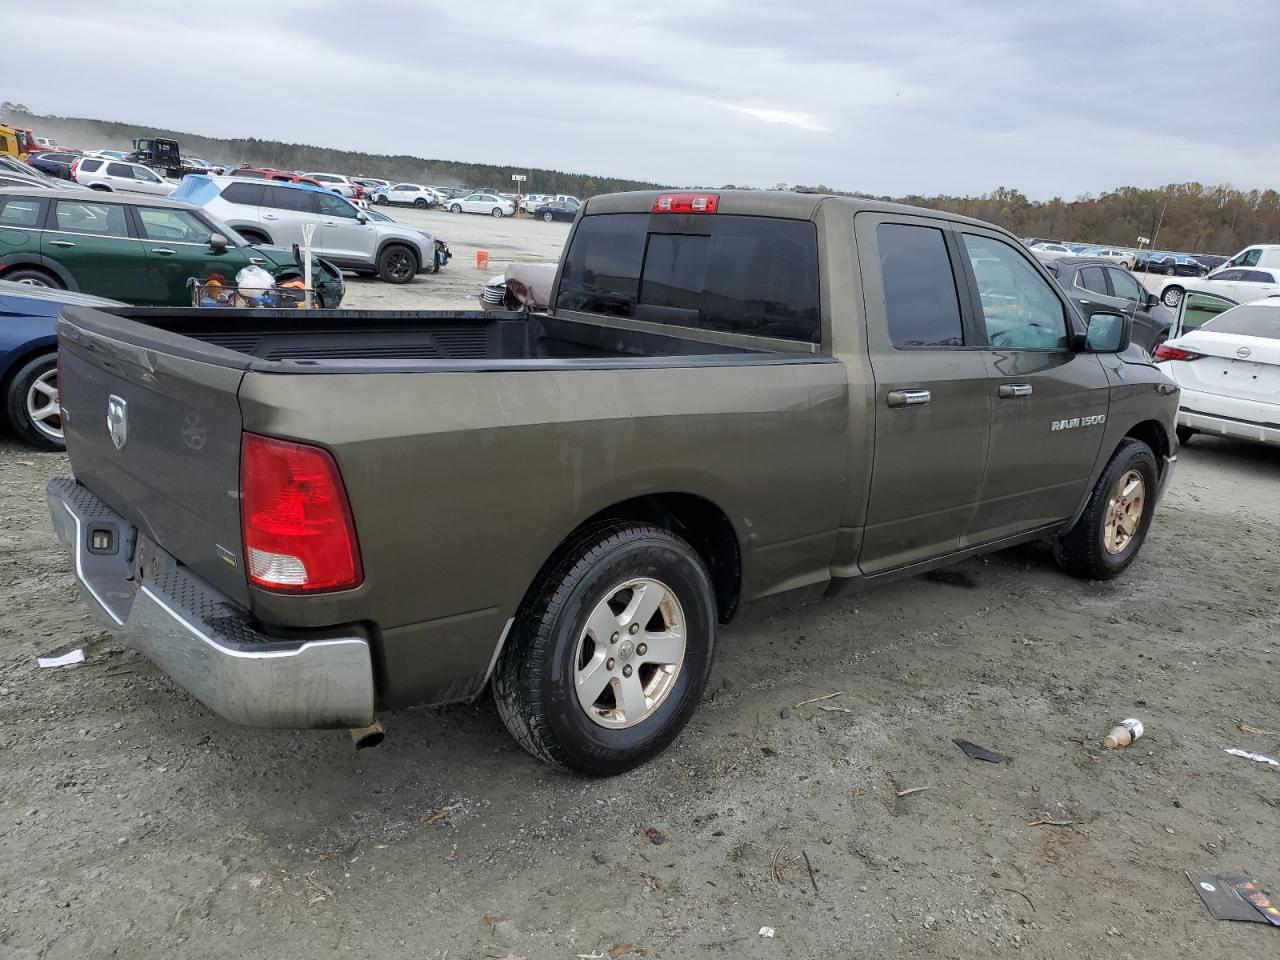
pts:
[736, 399]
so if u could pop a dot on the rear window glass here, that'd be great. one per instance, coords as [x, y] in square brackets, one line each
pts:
[1251, 320]
[88, 165]
[246, 193]
[756, 275]
[20, 211]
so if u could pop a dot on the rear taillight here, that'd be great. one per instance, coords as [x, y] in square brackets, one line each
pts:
[75, 166]
[298, 534]
[686, 203]
[1166, 352]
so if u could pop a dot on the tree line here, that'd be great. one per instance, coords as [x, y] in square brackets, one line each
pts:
[1189, 217]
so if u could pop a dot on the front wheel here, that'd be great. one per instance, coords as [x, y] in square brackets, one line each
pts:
[397, 264]
[610, 652]
[1171, 297]
[32, 403]
[455, 208]
[420, 203]
[1108, 536]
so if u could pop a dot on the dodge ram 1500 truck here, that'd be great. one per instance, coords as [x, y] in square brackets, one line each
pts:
[735, 399]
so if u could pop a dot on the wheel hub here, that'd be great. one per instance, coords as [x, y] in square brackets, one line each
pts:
[630, 653]
[1124, 512]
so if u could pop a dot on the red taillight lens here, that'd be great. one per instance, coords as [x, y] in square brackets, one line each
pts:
[298, 534]
[686, 203]
[1166, 352]
[75, 165]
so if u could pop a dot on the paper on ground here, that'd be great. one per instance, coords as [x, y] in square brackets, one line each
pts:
[1252, 756]
[66, 660]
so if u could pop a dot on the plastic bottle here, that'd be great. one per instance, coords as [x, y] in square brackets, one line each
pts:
[1123, 734]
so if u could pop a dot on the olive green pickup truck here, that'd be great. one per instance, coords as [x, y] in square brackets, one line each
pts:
[736, 400]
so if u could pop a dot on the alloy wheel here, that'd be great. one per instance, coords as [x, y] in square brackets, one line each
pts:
[1124, 512]
[42, 404]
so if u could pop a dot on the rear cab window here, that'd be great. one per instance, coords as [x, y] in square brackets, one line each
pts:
[725, 273]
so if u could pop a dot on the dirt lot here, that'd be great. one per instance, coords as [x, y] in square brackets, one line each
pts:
[134, 823]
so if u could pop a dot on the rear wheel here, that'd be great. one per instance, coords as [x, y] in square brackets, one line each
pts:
[421, 204]
[380, 198]
[1172, 296]
[611, 651]
[33, 277]
[32, 403]
[496, 212]
[397, 264]
[1108, 536]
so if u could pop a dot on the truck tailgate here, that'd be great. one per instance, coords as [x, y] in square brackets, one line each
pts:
[157, 437]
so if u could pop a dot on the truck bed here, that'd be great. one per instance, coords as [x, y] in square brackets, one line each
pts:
[351, 340]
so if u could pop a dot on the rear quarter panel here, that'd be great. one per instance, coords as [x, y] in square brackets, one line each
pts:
[463, 485]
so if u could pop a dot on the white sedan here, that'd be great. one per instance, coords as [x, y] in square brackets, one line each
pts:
[489, 203]
[1227, 364]
[1237, 284]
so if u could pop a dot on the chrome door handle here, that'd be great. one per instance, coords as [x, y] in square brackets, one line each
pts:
[257, 260]
[269, 216]
[1014, 391]
[61, 243]
[908, 398]
[163, 251]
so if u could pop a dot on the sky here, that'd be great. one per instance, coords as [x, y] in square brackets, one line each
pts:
[888, 98]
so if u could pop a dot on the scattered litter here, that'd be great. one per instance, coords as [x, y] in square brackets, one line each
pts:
[1224, 896]
[838, 693]
[1235, 752]
[1245, 728]
[656, 836]
[1045, 821]
[812, 879]
[837, 709]
[1123, 734]
[66, 660]
[589, 956]
[910, 790]
[1250, 892]
[767, 931]
[975, 752]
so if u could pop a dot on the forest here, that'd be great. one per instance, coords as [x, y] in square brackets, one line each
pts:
[1190, 217]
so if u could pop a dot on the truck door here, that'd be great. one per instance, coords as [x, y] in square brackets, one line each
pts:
[932, 406]
[1049, 403]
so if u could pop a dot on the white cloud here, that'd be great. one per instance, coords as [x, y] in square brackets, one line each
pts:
[791, 118]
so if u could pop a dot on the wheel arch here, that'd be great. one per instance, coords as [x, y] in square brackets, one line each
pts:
[43, 263]
[696, 519]
[407, 242]
[1153, 434]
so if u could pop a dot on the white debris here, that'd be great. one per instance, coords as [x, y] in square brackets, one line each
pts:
[66, 660]
[1252, 756]
[767, 931]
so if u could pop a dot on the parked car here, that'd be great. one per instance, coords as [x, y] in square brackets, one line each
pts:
[1227, 366]
[1098, 285]
[1114, 254]
[1051, 250]
[274, 213]
[408, 194]
[22, 169]
[556, 210]
[1211, 262]
[562, 506]
[1259, 255]
[54, 164]
[114, 175]
[489, 203]
[265, 173]
[135, 249]
[46, 143]
[337, 183]
[28, 358]
[107, 154]
[371, 185]
[18, 180]
[1175, 265]
[1234, 284]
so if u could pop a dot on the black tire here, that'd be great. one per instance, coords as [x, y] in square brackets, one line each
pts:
[455, 208]
[1082, 552]
[33, 276]
[421, 204]
[548, 216]
[397, 264]
[533, 682]
[380, 198]
[1184, 435]
[1171, 296]
[23, 385]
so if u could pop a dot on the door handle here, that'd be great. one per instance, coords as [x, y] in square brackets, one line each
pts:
[61, 243]
[259, 261]
[269, 216]
[908, 398]
[163, 251]
[330, 223]
[1014, 391]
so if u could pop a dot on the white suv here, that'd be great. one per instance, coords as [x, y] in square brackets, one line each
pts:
[411, 194]
[273, 214]
[113, 175]
[336, 183]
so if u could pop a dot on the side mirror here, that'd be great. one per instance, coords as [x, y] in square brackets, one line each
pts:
[362, 216]
[1152, 301]
[218, 242]
[1107, 333]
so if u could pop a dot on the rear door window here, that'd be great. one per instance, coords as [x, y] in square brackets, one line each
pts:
[82, 216]
[1257, 276]
[249, 194]
[920, 299]
[287, 198]
[120, 170]
[1092, 279]
[755, 275]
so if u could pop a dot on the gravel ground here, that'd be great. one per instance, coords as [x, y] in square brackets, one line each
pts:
[135, 823]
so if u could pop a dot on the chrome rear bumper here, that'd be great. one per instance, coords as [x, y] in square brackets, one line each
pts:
[202, 640]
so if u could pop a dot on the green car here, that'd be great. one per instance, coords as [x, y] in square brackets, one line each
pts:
[141, 250]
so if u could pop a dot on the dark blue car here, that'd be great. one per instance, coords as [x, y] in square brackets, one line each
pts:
[28, 358]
